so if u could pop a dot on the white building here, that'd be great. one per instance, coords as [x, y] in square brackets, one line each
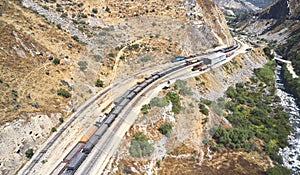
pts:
[214, 58]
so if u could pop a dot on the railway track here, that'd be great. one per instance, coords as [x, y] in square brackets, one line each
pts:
[38, 156]
[118, 125]
[42, 152]
[59, 133]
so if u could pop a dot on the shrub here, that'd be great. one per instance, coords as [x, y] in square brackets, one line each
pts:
[61, 120]
[82, 65]
[278, 170]
[53, 129]
[159, 102]
[75, 37]
[58, 26]
[165, 128]
[145, 108]
[181, 85]
[99, 83]
[56, 61]
[95, 10]
[203, 109]
[139, 146]
[267, 51]
[64, 93]
[29, 153]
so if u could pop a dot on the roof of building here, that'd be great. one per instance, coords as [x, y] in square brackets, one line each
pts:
[215, 55]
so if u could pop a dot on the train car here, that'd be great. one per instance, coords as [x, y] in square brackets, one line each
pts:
[140, 82]
[59, 169]
[124, 102]
[90, 144]
[149, 81]
[118, 100]
[189, 62]
[143, 85]
[138, 89]
[155, 77]
[76, 161]
[180, 58]
[101, 131]
[74, 151]
[131, 95]
[110, 119]
[88, 134]
[229, 54]
[117, 110]
[197, 67]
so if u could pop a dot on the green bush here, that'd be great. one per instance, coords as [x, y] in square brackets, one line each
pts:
[278, 170]
[165, 128]
[139, 146]
[29, 153]
[95, 10]
[64, 93]
[53, 129]
[159, 102]
[181, 86]
[82, 65]
[99, 83]
[75, 37]
[203, 109]
[56, 61]
[266, 74]
[145, 108]
[267, 51]
[61, 120]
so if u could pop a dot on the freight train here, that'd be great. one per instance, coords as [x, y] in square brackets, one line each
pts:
[88, 141]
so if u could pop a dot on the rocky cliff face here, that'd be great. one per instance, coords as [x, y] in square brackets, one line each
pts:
[86, 36]
[278, 22]
[282, 9]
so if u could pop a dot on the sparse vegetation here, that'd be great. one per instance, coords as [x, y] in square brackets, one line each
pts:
[139, 146]
[64, 93]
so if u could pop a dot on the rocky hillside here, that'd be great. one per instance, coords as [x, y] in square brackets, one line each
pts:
[244, 5]
[278, 22]
[52, 53]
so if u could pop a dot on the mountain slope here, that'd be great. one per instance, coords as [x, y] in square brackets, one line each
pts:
[244, 5]
[86, 36]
